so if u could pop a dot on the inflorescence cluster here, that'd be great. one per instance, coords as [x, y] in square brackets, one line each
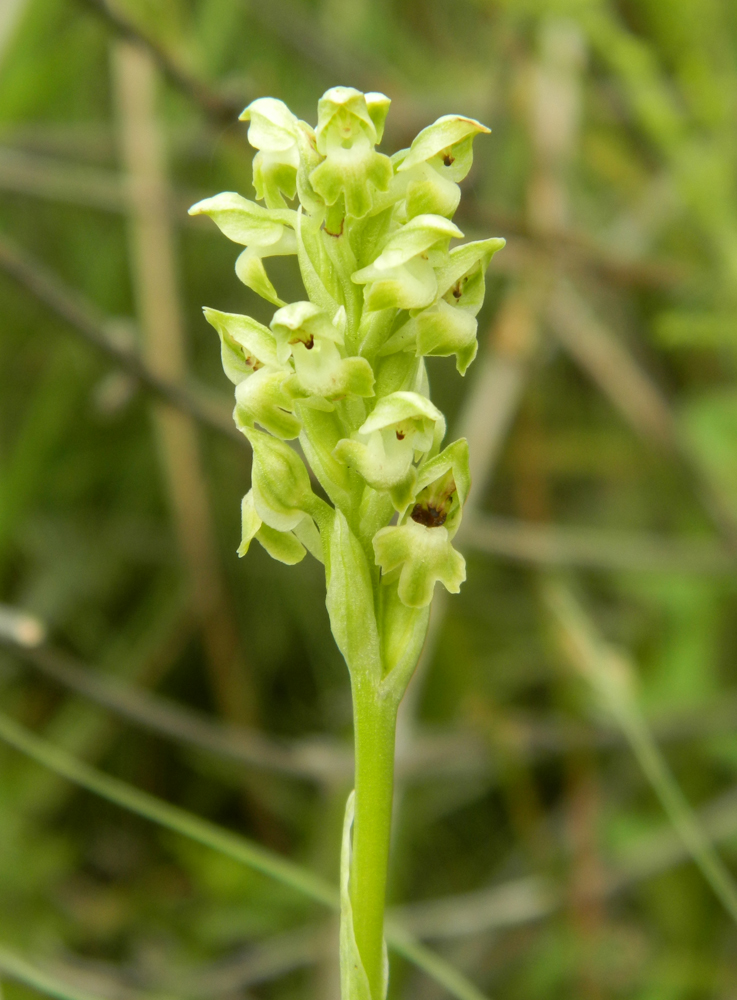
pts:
[343, 371]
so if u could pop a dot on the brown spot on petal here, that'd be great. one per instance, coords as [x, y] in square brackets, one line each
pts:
[400, 435]
[448, 159]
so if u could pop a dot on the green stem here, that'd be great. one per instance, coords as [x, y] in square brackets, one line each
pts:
[375, 719]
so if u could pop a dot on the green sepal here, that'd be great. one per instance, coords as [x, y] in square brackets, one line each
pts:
[244, 221]
[429, 192]
[378, 108]
[323, 372]
[399, 408]
[282, 546]
[250, 523]
[281, 484]
[419, 236]
[245, 344]
[409, 286]
[250, 268]
[266, 399]
[424, 556]
[350, 600]
[381, 468]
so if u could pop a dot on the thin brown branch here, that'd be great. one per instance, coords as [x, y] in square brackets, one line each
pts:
[608, 361]
[575, 248]
[91, 325]
[185, 726]
[558, 545]
[221, 108]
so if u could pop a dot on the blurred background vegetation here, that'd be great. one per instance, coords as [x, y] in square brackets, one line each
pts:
[532, 849]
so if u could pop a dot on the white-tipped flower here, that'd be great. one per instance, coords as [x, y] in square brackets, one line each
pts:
[305, 332]
[402, 428]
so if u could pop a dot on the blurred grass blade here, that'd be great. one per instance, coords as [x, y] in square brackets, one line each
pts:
[612, 677]
[232, 845]
[441, 971]
[322, 761]
[169, 816]
[15, 967]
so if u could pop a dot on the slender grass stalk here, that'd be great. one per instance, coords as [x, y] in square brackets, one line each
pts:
[612, 677]
[225, 842]
[15, 967]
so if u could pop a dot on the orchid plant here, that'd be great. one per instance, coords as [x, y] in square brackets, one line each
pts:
[343, 373]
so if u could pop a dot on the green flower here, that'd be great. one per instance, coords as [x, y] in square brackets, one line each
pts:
[267, 399]
[403, 275]
[265, 232]
[245, 345]
[346, 134]
[449, 326]
[305, 332]
[443, 485]
[274, 131]
[287, 546]
[420, 556]
[282, 494]
[281, 545]
[403, 427]
[437, 160]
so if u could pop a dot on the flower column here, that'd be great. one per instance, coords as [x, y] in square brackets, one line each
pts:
[344, 373]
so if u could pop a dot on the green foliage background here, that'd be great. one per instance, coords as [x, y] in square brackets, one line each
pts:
[616, 471]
